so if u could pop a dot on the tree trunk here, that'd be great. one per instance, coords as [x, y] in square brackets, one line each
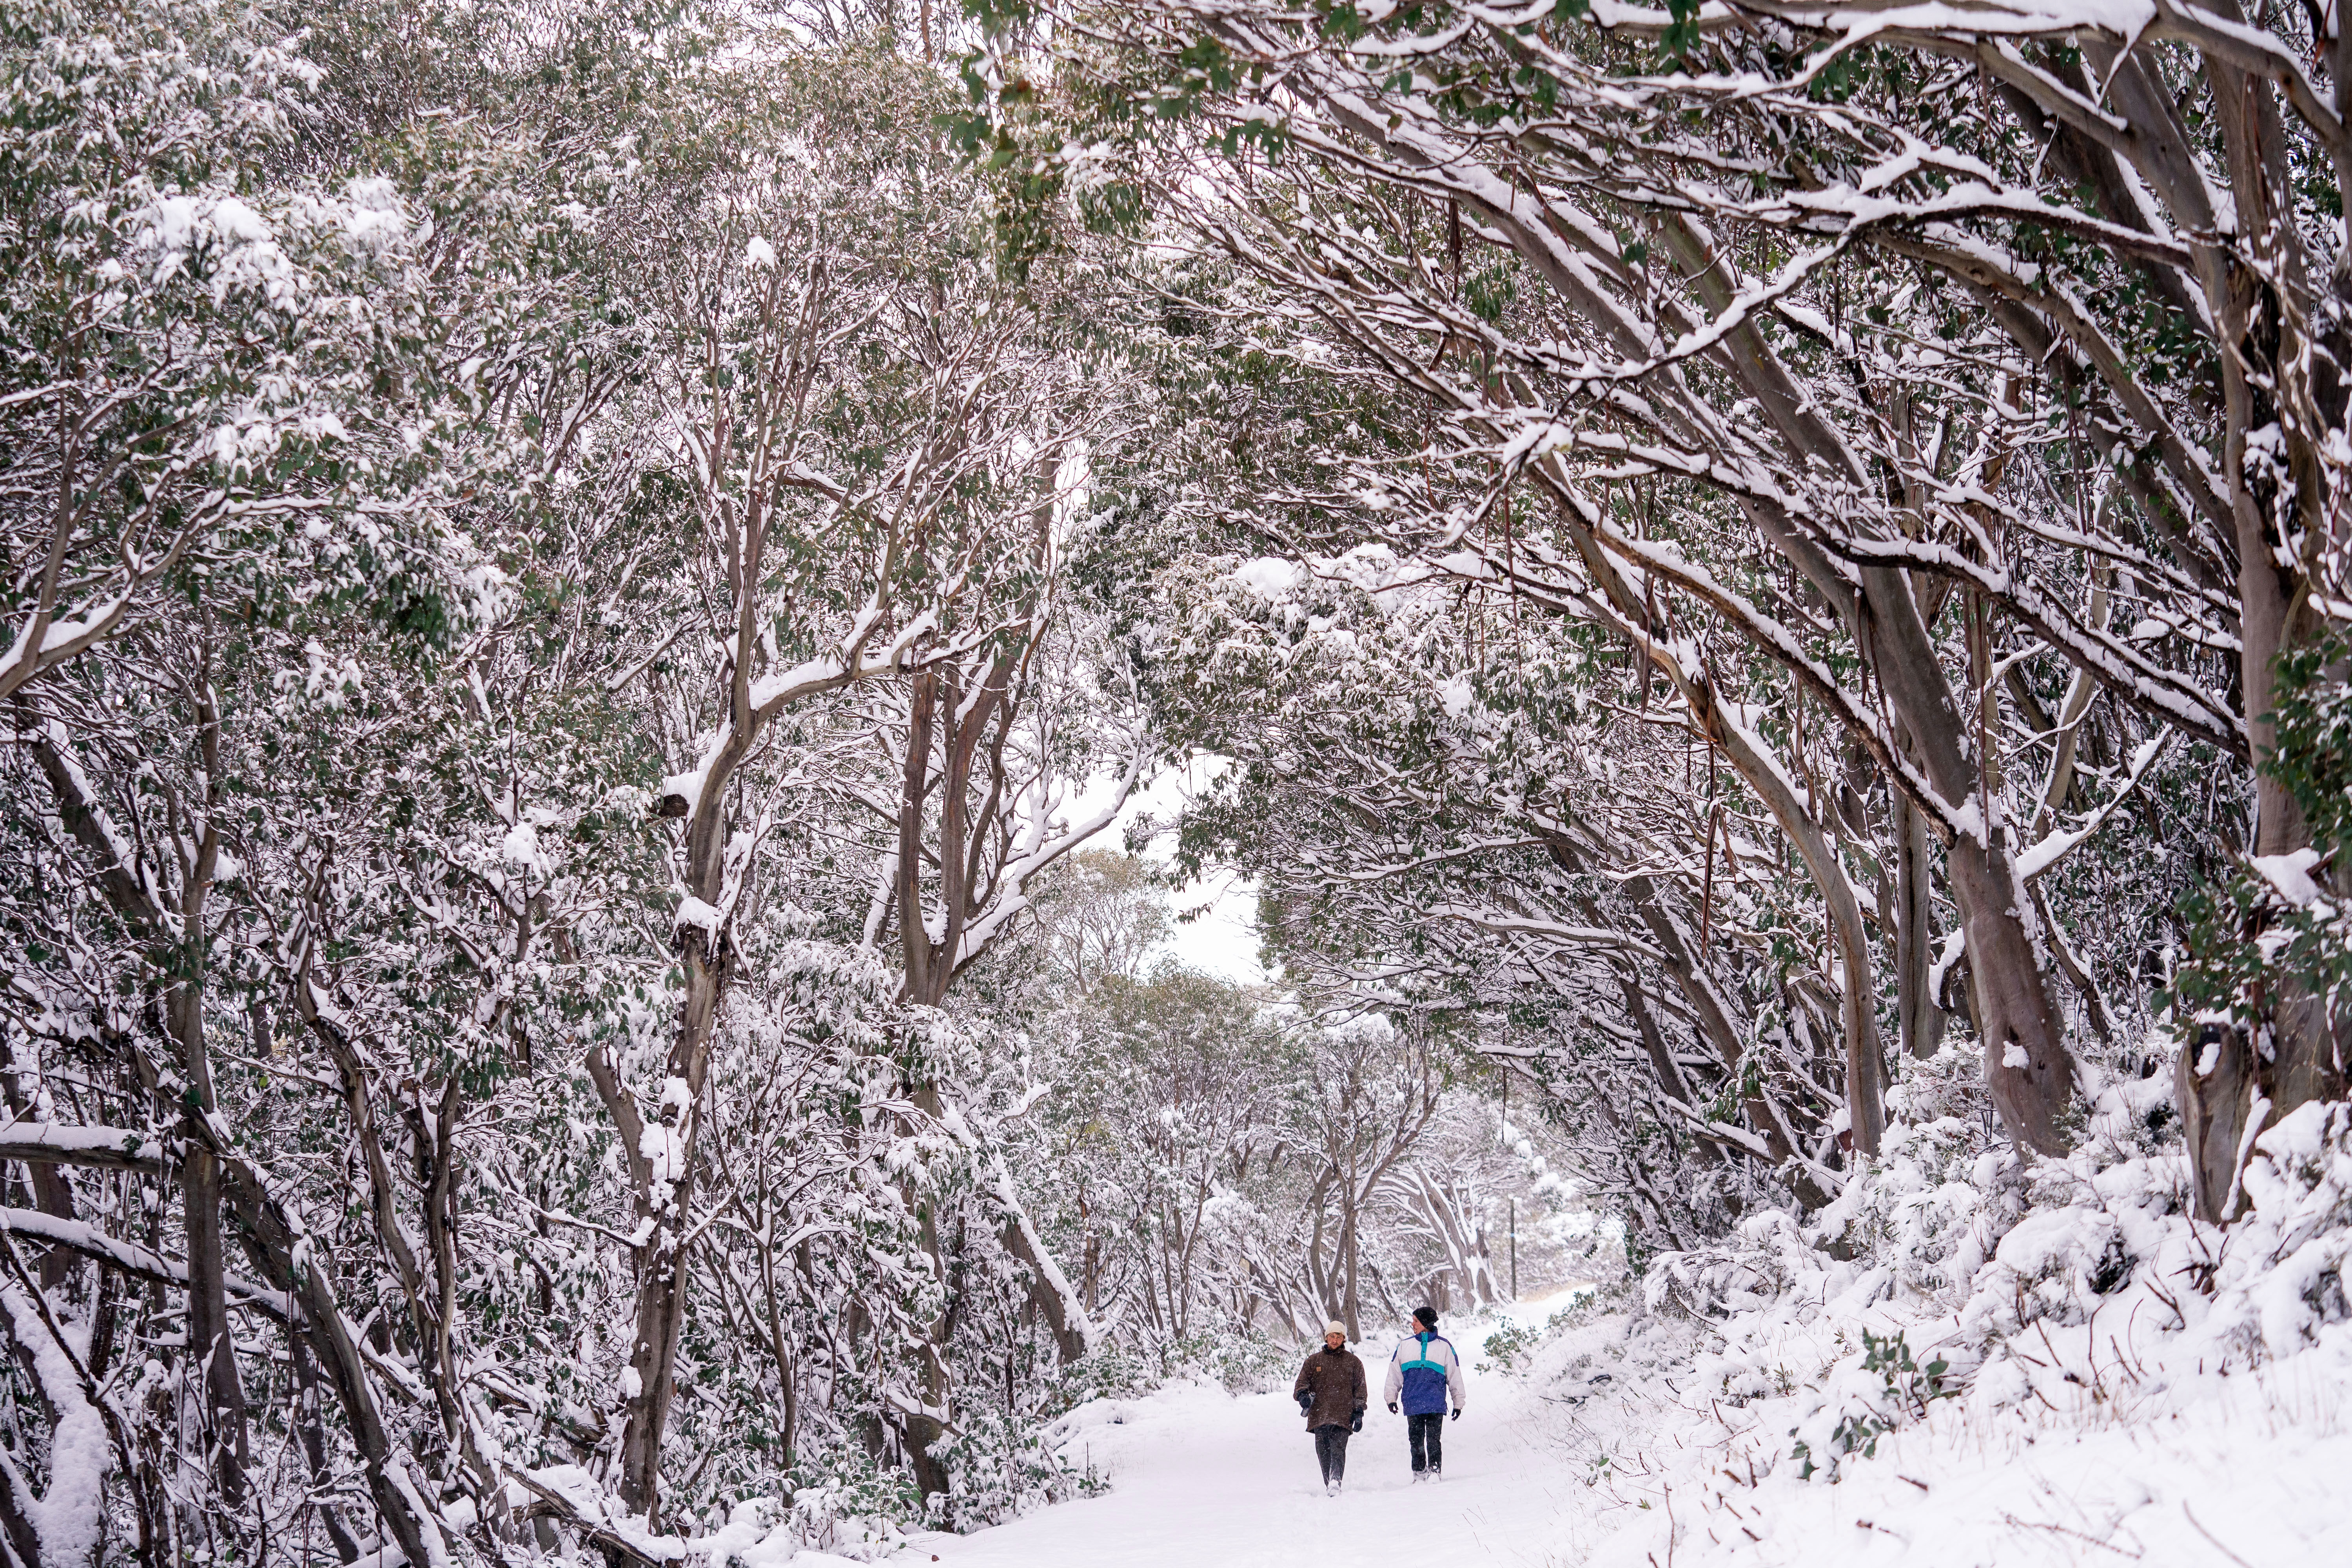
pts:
[311, 1429]
[289, 1258]
[1866, 1070]
[1920, 1020]
[1649, 641]
[2028, 1065]
[52, 1190]
[942, 714]
[2217, 1083]
[1653, 1043]
[2278, 503]
[921, 1430]
[212, 1346]
[1350, 1257]
[665, 1164]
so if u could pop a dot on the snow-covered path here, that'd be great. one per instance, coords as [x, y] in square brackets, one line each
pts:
[1203, 1480]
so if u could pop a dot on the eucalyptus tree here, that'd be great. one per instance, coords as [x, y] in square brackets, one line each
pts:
[1788, 337]
[200, 466]
[1171, 1101]
[1452, 816]
[189, 345]
[436, 891]
[1100, 916]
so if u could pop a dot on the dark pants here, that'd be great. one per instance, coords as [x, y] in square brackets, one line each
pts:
[1331, 1452]
[1427, 1436]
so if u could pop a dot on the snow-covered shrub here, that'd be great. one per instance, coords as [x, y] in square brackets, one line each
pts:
[1860, 1410]
[842, 1504]
[1513, 1347]
[2279, 1280]
[1756, 1264]
[1237, 1363]
[1941, 1189]
[1508, 1345]
[1001, 1466]
[1114, 1372]
[845, 1503]
[1955, 1269]
[2077, 1232]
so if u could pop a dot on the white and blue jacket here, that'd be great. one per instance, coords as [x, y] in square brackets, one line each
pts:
[1421, 1374]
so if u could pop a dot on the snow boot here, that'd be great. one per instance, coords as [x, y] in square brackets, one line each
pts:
[1434, 1474]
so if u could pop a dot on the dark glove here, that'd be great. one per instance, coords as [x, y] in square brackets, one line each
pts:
[1457, 1414]
[1357, 1424]
[1392, 1406]
[1305, 1399]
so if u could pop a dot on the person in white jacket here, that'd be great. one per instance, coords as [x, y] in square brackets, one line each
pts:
[1424, 1373]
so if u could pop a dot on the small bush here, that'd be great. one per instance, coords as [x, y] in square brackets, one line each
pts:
[1510, 1348]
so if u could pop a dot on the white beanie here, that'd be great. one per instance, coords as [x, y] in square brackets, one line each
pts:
[1336, 1327]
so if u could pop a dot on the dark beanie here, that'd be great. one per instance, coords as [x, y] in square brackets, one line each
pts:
[1425, 1316]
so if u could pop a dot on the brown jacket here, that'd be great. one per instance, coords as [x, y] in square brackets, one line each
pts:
[1336, 1379]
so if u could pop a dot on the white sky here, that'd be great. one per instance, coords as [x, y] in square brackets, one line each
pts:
[1223, 940]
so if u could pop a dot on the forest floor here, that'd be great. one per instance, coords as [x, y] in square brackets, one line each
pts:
[1606, 1452]
[1202, 1479]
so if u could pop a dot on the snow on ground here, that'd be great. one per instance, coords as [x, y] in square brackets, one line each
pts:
[1201, 1479]
[1204, 1478]
[1610, 1451]
[1974, 1359]
[1977, 1359]
[2118, 1453]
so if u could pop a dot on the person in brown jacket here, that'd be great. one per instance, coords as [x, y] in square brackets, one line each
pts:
[1331, 1392]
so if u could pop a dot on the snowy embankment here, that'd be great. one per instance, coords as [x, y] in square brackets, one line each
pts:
[2023, 1362]
[2016, 1363]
